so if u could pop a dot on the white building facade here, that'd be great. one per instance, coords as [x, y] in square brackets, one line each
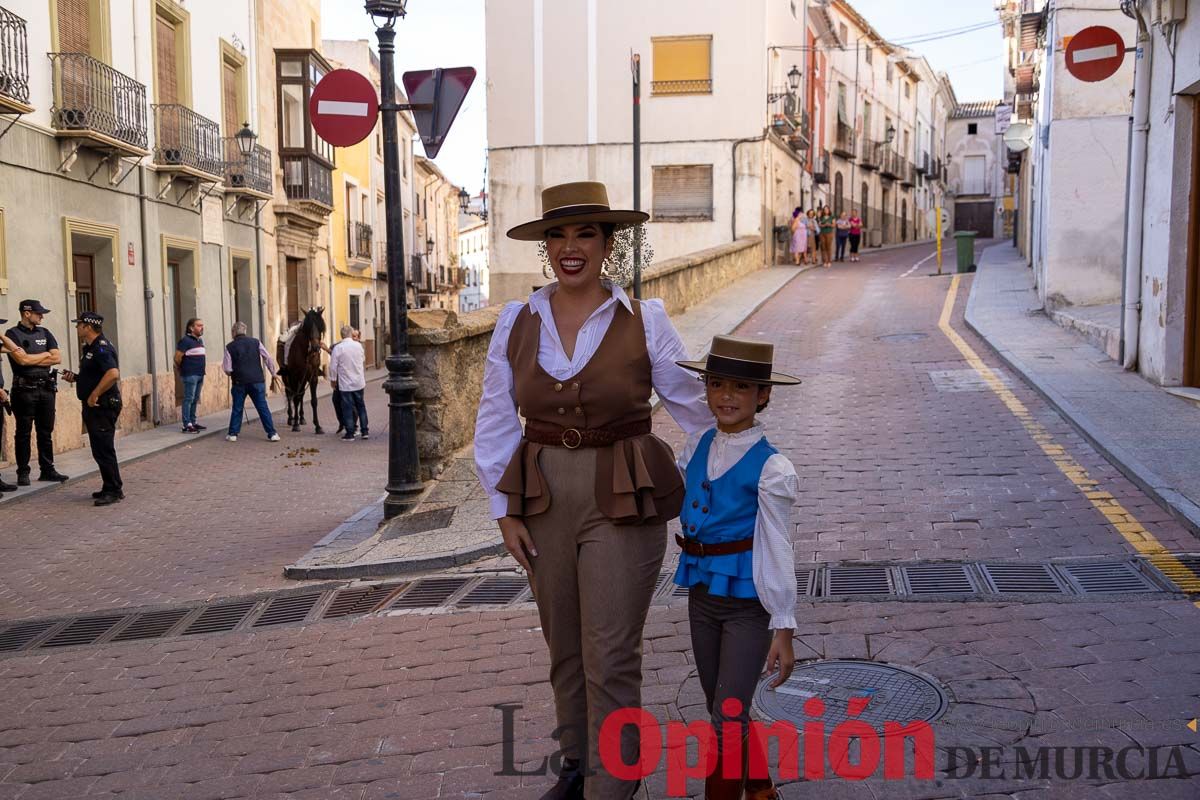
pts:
[473, 261]
[978, 169]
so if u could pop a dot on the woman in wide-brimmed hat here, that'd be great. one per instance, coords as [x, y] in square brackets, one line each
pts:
[584, 491]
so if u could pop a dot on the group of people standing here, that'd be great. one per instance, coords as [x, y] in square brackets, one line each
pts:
[819, 237]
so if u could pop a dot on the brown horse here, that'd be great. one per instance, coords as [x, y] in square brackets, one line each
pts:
[302, 368]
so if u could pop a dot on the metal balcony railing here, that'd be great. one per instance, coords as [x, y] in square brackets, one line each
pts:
[90, 96]
[681, 87]
[844, 141]
[358, 240]
[306, 178]
[249, 174]
[908, 176]
[184, 139]
[922, 165]
[14, 57]
[871, 153]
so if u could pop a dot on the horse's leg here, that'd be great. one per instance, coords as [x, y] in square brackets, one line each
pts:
[295, 411]
[312, 390]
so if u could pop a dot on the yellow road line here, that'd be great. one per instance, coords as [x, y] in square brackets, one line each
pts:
[1121, 520]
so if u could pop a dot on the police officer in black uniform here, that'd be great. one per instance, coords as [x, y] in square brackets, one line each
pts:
[5, 410]
[33, 353]
[96, 386]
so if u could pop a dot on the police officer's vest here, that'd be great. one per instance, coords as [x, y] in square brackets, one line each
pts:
[246, 360]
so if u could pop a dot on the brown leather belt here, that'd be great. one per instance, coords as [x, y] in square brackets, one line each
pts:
[696, 548]
[572, 438]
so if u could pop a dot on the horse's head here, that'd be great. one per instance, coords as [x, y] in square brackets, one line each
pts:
[314, 323]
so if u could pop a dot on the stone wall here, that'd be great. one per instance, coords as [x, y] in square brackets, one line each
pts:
[451, 349]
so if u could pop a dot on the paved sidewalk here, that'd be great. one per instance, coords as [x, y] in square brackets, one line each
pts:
[1150, 435]
[452, 526]
[78, 463]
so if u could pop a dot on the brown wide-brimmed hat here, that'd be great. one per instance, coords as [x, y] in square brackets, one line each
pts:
[740, 359]
[571, 204]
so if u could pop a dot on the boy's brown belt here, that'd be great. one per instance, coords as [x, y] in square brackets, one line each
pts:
[696, 548]
[571, 438]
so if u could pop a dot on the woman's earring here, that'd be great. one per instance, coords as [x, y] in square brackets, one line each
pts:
[544, 255]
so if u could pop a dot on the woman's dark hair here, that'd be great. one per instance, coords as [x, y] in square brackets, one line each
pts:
[797, 212]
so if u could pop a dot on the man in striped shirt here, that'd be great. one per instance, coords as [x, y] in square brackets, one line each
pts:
[191, 361]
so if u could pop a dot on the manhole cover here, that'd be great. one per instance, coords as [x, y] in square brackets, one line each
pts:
[903, 337]
[894, 694]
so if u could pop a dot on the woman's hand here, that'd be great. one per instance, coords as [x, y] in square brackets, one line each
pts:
[518, 542]
[781, 657]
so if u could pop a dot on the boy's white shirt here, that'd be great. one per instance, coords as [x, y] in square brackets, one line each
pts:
[773, 556]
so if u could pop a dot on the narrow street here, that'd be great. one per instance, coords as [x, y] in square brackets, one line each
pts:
[912, 443]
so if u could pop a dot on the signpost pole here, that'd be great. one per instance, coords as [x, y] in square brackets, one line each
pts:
[939, 239]
[636, 64]
[404, 466]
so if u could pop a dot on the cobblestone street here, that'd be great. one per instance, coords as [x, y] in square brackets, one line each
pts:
[912, 443]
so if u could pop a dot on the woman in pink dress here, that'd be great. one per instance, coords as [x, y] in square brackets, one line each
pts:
[799, 248]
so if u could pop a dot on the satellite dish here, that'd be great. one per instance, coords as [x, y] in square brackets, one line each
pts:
[1019, 136]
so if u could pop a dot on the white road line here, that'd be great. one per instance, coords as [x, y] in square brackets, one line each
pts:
[342, 108]
[913, 268]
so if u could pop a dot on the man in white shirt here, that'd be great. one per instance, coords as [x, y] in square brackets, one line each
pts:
[348, 374]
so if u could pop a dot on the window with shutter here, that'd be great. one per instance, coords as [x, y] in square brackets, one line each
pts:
[230, 107]
[683, 193]
[682, 65]
[74, 26]
[167, 67]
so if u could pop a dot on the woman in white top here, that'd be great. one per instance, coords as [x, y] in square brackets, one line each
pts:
[583, 493]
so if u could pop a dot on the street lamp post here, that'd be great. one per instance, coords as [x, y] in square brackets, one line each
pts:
[404, 484]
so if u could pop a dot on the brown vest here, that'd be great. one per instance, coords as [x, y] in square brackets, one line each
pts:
[637, 480]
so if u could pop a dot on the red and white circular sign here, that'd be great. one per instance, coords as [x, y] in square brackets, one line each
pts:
[1095, 53]
[343, 107]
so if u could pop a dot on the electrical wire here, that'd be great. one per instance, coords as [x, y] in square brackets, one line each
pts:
[904, 43]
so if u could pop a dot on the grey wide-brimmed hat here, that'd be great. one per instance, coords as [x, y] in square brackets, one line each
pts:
[571, 204]
[741, 359]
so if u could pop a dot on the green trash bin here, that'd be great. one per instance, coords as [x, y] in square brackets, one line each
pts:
[964, 242]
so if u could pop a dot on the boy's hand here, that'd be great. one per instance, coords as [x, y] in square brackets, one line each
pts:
[781, 657]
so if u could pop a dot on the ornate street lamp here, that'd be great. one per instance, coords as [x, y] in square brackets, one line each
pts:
[889, 134]
[794, 77]
[404, 484]
[429, 247]
[464, 200]
[245, 139]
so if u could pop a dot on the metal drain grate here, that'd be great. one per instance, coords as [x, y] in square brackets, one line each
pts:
[1106, 578]
[83, 631]
[151, 625]
[360, 600]
[806, 582]
[857, 580]
[18, 636]
[927, 579]
[429, 592]
[1181, 570]
[218, 619]
[1022, 578]
[661, 586]
[498, 590]
[283, 610]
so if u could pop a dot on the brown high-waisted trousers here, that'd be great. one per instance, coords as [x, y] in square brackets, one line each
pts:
[593, 582]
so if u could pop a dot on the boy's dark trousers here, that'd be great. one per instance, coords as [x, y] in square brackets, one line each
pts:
[730, 639]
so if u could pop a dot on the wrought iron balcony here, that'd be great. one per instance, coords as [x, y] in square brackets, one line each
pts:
[95, 102]
[843, 141]
[872, 152]
[247, 174]
[14, 64]
[184, 141]
[307, 179]
[922, 165]
[358, 240]
[889, 163]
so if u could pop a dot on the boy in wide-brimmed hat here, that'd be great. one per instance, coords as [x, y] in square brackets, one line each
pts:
[737, 558]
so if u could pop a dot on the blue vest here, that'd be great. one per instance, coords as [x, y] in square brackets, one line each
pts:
[722, 510]
[245, 360]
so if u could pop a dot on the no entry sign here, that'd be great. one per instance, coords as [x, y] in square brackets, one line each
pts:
[1095, 53]
[343, 107]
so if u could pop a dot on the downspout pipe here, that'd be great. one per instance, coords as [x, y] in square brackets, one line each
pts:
[733, 182]
[148, 297]
[1132, 311]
